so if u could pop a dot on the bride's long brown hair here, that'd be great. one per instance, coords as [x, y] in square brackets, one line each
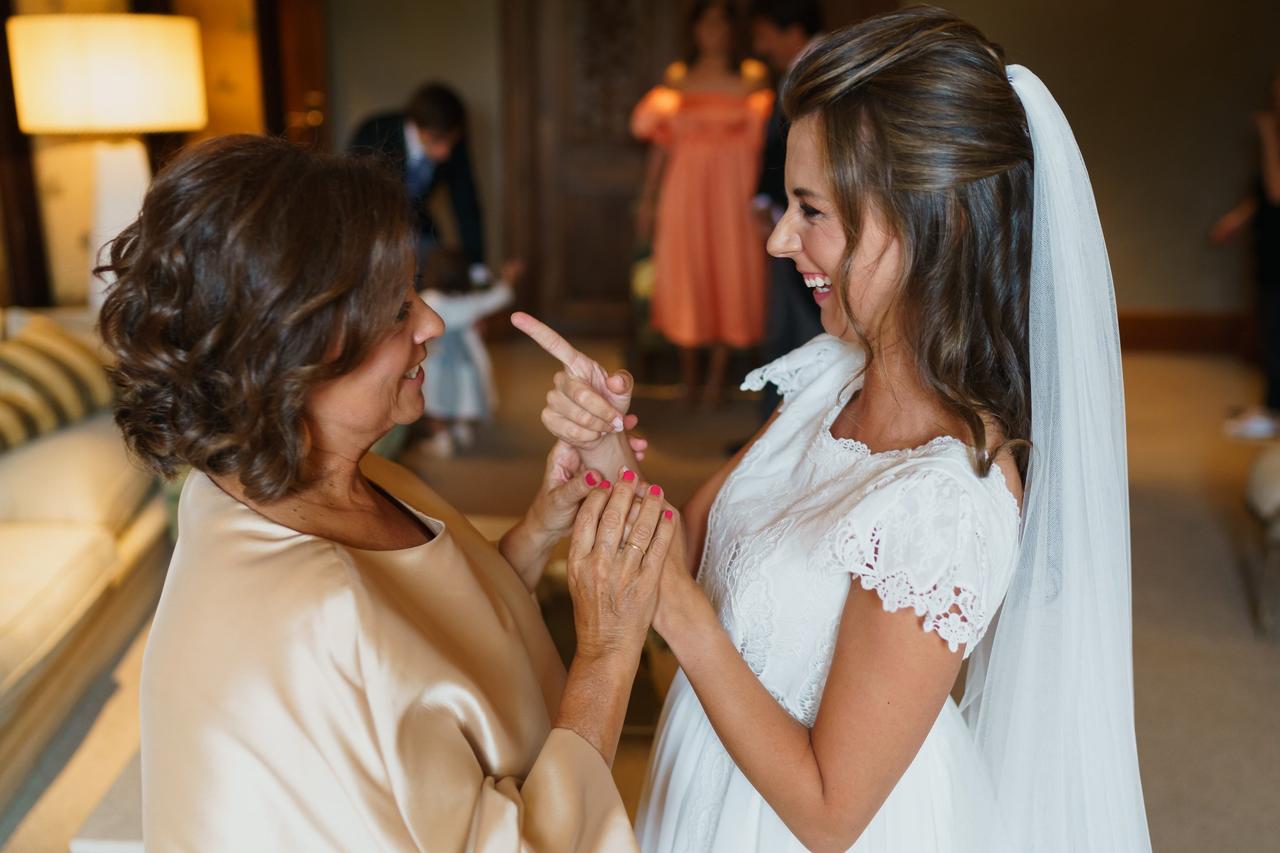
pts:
[918, 119]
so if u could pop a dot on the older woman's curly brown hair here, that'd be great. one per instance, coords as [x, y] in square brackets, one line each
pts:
[255, 271]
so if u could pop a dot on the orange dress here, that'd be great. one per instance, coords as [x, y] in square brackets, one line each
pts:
[709, 266]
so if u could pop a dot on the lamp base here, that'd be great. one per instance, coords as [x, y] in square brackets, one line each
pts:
[121, 175]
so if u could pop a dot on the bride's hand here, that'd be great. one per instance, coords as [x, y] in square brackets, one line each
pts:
[681, 601]
[587, 404]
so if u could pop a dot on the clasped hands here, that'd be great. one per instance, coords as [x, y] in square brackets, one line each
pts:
[627, 558]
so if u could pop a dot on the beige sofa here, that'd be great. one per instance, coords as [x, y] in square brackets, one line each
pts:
[83, 549]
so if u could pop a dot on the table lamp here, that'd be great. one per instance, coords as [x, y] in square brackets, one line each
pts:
[107, 76]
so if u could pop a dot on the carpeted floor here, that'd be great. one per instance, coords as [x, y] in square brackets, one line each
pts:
[1207, 689]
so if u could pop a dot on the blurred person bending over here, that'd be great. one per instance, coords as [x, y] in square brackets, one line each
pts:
[426, 144]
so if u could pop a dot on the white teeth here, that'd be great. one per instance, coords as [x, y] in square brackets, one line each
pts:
[817, 282]
[413, 374]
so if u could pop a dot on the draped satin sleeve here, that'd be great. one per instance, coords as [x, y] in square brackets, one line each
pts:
[567, 802]
[470, 768]
[298, 694]
[653, 119]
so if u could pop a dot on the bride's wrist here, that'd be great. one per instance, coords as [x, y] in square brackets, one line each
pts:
[608, 456]
[683, 615]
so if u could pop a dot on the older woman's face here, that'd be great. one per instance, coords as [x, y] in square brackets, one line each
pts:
[810, 234]
[386, 388]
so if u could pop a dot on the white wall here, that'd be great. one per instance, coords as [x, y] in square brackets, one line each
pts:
[1160, 94]
[381, 50]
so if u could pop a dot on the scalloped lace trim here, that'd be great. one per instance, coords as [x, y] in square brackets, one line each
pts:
[787, 379]
[954, 613]
[952, 610]
[790, 372]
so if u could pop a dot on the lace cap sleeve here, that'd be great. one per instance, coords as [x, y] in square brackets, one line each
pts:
[799, 368]
[924, 546]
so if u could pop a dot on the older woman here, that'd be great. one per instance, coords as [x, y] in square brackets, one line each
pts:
[339, 660]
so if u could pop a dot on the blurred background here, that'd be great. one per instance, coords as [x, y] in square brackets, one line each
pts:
[1168, 99]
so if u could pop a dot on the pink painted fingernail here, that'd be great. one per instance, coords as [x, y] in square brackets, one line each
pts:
[628, 474]
[605, 484]
[667, 514]
[591, 479]
[655, 490]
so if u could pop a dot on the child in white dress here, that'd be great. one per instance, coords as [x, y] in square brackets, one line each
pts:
[863, 544]
[458, 390]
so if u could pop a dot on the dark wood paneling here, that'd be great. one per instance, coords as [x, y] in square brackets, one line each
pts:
[519, 156]
[20, 225]
[842, 13]
[293, 58]
[573, 69]
[1185, 332]
[267, 15]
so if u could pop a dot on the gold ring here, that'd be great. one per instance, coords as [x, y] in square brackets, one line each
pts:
[634, 545]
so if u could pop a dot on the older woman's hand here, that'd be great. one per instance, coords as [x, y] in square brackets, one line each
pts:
[565, 482]
[613, 579]
[679, 595]
[614, 573]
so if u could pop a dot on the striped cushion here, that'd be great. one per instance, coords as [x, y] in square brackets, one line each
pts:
[48, 378]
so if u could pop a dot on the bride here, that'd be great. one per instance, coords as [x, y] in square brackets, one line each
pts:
[875, 534]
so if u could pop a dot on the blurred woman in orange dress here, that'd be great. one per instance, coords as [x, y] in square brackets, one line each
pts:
[706, 125]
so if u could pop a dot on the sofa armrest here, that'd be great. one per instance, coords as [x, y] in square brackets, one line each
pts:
[81, 473]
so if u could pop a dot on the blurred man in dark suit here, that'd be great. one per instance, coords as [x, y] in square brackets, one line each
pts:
[427, 145]
[781, 31]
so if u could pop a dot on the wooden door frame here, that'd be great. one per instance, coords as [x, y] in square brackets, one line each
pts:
[287, 44]
[529, 158]
[520, 81]
[21, 226]
[267, 24]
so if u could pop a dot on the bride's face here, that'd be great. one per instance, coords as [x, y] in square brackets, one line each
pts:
[811, 234]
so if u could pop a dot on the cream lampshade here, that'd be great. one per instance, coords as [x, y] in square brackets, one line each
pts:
[108, 74]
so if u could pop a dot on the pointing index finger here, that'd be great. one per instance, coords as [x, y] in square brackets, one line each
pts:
[550, 340]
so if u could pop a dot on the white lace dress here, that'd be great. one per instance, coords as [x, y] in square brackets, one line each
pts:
[801, 517]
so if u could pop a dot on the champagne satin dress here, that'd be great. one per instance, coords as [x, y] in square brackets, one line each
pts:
[298, 694]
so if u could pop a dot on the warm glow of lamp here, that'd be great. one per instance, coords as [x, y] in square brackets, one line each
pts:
[106, 73]
[107, 76]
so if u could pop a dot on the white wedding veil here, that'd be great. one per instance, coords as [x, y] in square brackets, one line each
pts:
[1049, 694]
